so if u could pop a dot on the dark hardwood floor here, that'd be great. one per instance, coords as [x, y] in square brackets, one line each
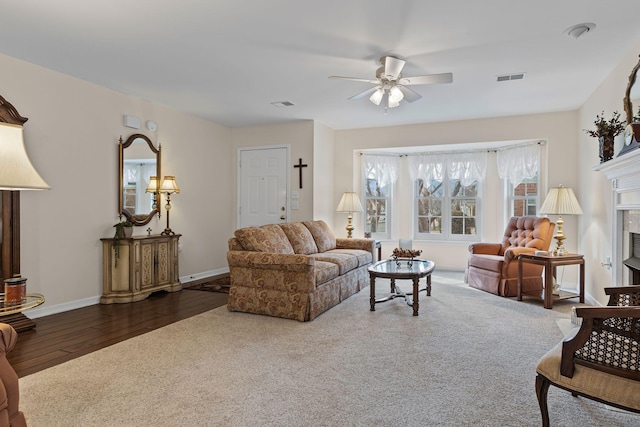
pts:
[65, 336]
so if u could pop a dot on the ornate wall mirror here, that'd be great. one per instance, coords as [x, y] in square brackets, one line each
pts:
[632, 95]
[139, 160]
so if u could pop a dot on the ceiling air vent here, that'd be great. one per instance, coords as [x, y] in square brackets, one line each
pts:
[281, 104]
[507, 77]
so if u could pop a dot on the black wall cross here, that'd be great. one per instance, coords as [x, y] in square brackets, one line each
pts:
[300, 166]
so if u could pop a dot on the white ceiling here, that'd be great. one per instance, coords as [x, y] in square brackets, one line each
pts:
[227, 60]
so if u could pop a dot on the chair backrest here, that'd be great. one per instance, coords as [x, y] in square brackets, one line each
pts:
[529, 232]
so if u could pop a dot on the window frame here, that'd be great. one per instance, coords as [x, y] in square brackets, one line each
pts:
[390, 200]
[447, 219]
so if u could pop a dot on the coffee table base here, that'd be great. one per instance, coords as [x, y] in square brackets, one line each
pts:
[396, 292]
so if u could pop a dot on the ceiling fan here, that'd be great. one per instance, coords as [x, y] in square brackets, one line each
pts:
[390, 83]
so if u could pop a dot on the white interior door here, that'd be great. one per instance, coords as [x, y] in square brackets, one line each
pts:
[262, 186]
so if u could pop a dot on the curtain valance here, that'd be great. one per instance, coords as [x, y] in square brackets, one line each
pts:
[384, 169]
[464, 166]
[518, 163]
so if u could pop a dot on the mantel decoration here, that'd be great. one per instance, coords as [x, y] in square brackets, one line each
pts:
[606, 131]
[408, 254]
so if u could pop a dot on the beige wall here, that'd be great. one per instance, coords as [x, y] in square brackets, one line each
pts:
[558, 129]
[71, 138]
[324, 204]
[298, 136]
[595, 194]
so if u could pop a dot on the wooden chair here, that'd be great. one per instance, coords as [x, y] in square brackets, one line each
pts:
[601, 360]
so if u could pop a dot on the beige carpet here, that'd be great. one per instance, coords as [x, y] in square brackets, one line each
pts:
[467, 360]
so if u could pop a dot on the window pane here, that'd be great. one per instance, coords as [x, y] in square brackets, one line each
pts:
[376, 215]
[524, 197]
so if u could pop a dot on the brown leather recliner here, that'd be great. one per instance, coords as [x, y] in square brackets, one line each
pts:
[10, 415]
[493, 267]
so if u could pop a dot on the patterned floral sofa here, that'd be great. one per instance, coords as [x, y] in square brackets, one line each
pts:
[295, 270]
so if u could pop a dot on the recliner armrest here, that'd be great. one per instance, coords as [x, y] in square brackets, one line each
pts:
[513, 253]
[485, 248]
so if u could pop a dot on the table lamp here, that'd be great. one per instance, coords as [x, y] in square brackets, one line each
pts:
[168, 187]
[560, 201]
[349, 203]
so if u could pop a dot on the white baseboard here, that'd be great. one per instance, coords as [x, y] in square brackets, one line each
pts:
[67, 306]
[60, 308]
[205, 274]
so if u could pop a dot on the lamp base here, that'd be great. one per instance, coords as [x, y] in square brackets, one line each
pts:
[168, 232]
[349, 227]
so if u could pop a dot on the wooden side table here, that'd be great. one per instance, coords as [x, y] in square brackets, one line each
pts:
[550, 263]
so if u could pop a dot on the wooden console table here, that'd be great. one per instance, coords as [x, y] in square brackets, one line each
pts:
[550, 263]
[12, 313]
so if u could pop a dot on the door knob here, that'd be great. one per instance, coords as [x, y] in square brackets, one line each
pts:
[282, 217]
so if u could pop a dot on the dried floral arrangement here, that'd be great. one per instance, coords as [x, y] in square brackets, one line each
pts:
[406, 253]
[605, 128]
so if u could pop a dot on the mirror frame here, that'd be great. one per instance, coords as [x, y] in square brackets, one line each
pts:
[136, 219]
[628, 107]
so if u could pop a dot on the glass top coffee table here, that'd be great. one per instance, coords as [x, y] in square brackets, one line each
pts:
[402, 269]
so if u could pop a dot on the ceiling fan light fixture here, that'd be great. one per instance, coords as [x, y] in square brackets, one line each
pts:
[376, 97]
[391, 103]
[395, 95]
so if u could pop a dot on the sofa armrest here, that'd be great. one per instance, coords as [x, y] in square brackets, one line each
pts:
[273, 261]
[362, 244]
[513, 253]
[485, 248]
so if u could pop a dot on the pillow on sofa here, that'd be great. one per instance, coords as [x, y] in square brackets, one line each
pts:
[322, 234]
[267, 238]
[300, 238]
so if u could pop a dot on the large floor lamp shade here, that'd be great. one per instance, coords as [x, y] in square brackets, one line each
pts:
[560, 201]
[349, 203]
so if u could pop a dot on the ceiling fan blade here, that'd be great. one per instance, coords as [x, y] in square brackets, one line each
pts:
[355, 79]
[392, 67]
[364, 94]
[409, 95]
[427, 80]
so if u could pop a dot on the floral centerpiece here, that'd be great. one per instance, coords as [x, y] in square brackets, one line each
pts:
[606, 131]
[405, 253]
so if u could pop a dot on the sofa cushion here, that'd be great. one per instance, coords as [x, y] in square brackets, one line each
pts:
[364, 257]
[346, 262]
[322, 234]
[325, 271]
[266, 238]
[300, 238]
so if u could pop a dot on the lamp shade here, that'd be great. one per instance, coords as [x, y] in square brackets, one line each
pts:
[561, 201]
[153, 185]
[169, 185]
[349, 203]
[16, 170]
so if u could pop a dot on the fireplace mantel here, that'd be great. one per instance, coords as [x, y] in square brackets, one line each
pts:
[624, 174]
[622, 168]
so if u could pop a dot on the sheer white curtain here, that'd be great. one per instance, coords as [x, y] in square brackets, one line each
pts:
[384, 169]
[518, 163]
[465, 166]
[427, 167]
